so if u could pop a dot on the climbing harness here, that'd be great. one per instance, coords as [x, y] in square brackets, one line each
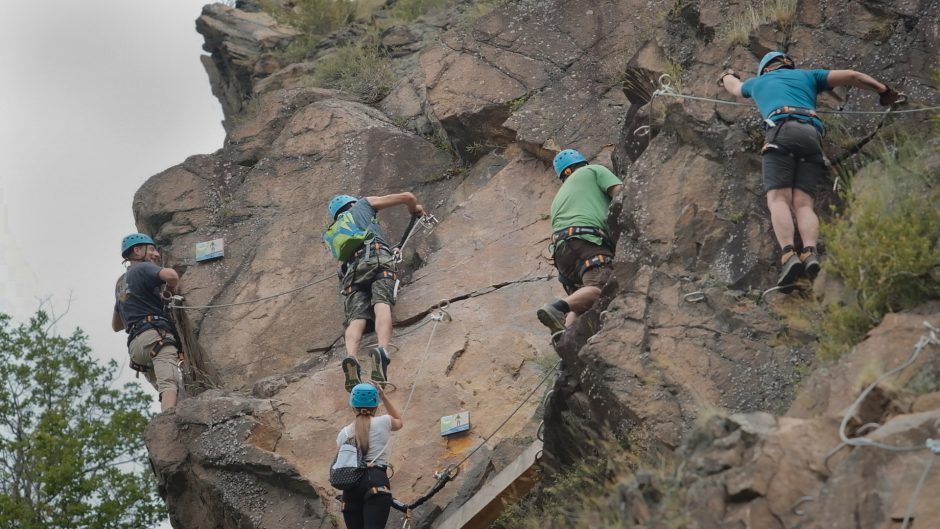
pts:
[594, 262]
[567, 233]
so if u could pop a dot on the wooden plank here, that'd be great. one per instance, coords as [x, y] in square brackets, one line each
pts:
[505, 489]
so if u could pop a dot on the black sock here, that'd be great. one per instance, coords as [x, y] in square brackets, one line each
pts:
[562, 305]
[811, 249]
[788, 248]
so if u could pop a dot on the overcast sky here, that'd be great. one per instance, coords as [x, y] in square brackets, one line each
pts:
[95, 97]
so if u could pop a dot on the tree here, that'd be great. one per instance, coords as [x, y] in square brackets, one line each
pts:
[71, 446]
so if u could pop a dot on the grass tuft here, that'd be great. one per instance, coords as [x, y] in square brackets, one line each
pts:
[356, 70]
[738, 29]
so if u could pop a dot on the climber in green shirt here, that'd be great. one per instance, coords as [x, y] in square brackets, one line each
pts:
[581, 243]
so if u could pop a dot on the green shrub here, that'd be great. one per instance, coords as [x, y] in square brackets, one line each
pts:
[313, 18]
[356, 70]
[886, 244]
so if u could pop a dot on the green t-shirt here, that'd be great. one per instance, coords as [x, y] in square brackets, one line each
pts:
[583, 200]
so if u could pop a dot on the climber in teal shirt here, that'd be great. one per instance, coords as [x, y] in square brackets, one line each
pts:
[792, 159]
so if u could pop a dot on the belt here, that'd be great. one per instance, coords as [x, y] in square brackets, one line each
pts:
[375, 246]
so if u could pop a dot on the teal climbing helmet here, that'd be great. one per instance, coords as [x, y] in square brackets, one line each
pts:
[565, 159]
[337, 203]
[364, 396]
[133, 240]
[771, 56]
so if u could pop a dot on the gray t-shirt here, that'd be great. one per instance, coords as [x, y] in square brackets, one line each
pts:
[380, 432]
[137, 295]
[364, 215]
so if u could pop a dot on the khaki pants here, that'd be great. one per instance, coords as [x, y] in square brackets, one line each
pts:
[162, 365]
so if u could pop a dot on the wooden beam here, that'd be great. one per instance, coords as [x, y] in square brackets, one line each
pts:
[505, 489]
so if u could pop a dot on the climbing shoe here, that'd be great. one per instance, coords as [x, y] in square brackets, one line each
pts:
[810, 260]
[352, 371]
[552, 318]
[791, 267]
[380, 361]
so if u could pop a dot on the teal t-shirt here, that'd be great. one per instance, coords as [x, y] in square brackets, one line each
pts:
[784, 87]
[583, 200]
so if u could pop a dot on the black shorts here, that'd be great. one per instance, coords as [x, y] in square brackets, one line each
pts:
[799, 163]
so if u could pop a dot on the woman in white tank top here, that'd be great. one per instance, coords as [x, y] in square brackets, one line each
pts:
[366, 506]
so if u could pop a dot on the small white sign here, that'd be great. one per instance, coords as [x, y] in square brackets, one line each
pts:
[456, 423]
[208, 250]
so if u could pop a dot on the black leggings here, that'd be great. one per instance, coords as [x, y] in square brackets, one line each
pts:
[363, 508]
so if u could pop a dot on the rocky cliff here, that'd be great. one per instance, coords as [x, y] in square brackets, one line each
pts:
[481, 101]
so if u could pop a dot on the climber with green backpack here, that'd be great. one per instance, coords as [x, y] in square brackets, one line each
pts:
[368, 273]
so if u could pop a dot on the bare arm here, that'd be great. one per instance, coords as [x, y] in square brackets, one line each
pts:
[170, 277]
[614, 190]
[390, 408]
[856, 79]
[116, 322]
[395, 199]
[732, 85]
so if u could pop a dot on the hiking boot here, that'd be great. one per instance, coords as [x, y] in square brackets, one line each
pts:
[810, 261]
[380, 361]
[353, 373]
[552, 318]
[791, 268]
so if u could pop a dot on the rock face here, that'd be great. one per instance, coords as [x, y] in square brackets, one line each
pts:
[470, 128]
[757, 470]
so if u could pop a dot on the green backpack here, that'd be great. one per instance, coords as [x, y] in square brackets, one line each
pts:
[344, 237]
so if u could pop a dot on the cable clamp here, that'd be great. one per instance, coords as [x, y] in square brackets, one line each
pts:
[428, 223]
[694, 297]
[934, 446]
[442, 314]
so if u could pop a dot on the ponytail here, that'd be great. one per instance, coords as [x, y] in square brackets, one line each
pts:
[363, 426]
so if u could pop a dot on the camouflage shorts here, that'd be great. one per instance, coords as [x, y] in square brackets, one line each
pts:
[371, 281]
[358, 303]
[162, 365]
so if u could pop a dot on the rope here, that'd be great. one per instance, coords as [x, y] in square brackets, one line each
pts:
[666, 89]
[427, 221]
[442, 315]
[519, 407]
[922, 343]
[933, 445]
[452, 471]
[173, 305]
[920, 484]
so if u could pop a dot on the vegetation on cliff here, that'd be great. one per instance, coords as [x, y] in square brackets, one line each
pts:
[885, 244]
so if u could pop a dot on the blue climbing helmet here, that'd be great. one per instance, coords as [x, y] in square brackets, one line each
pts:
[364, 396]
[337, 203]
[132, 240]
[770, 56]
[565, 159]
